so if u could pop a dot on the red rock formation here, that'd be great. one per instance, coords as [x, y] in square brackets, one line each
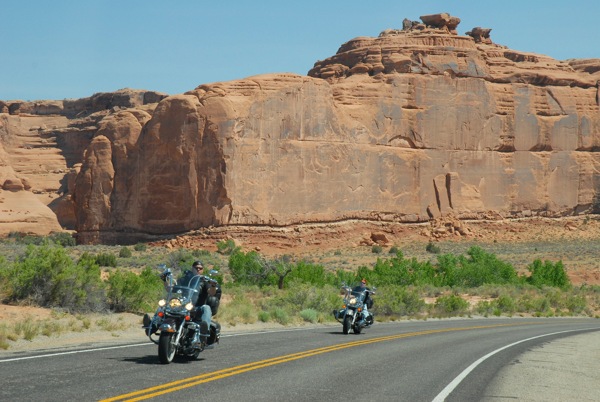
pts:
[44, 142]
[419, 123]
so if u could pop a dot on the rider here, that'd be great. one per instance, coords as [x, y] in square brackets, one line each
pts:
[207, 304]
[368, 302]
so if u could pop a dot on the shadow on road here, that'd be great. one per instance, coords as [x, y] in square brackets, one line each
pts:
[153, 359]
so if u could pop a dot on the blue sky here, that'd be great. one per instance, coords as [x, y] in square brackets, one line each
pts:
[72, 49]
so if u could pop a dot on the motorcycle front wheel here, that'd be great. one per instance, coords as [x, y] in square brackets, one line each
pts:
[347, 324]
[166, 348]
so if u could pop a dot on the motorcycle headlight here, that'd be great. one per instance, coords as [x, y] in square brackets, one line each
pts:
[353, 301]
[189, 306]
[162, 302]
[175, 303]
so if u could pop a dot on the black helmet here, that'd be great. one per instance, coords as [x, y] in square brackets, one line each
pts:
[197, 264]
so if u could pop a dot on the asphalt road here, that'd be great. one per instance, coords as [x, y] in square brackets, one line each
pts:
[455, 360]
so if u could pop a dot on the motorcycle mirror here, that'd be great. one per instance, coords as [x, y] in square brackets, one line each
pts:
[214, 272]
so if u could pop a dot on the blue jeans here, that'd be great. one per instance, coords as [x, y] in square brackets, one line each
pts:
[205, 314]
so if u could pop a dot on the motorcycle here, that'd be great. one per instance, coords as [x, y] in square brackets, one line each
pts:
[351, 315]
[172, 328]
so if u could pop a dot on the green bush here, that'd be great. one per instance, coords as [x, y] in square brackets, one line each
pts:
[63, 239]
[548, 274]
[396, 301]
[480, 267]
[451, 304]
[140, 247]
[125, 252]
[280, 315]
[310, 274]
[128, 291]
[106, 260]
[248, 269]
[309, 315]
[48, 277]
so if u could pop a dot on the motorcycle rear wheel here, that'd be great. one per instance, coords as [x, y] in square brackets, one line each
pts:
[166, 348]
[347, 324]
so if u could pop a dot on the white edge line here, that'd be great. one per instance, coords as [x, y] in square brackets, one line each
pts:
[454, 383]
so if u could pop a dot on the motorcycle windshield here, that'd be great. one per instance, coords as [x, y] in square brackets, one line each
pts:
[187, 290]
[360, 296]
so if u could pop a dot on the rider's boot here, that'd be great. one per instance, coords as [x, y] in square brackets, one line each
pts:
[204, 332]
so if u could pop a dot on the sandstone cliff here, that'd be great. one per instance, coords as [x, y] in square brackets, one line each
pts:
[405, 127]
[41, 148]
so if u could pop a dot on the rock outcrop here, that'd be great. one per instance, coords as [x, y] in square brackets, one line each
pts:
[42, 147]
[411, 126]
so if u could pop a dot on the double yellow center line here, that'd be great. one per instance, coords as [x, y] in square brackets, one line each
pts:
[162, 389]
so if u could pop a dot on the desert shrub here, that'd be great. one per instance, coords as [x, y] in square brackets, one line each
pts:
[398, 271]
[125, 252]
[48, 277]
[264, 316]
[28, 328]
[280, 315]
[200, 253]
[302, 296]
[394, 250]
[344, 277]
[575, 304]
[313, 274]
[506, 304]
[140, 247]
[227, 247]
[309, 315]
[432, 248]
[480, 267]
[548, 274]
[248, 269]
[180, 260]
[398, 301]
[486, 308]
[128, 291]
[63, 239]
[106, 260]
[376, 249]
[451, 305]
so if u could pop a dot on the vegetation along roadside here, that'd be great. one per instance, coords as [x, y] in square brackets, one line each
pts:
[73, 282]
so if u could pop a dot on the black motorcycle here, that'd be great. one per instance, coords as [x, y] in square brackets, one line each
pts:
[352, 315]
[172, 327]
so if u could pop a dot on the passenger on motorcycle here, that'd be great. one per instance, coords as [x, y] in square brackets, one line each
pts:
[368, 303]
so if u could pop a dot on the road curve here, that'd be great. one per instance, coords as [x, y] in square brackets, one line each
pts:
[416, 361]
